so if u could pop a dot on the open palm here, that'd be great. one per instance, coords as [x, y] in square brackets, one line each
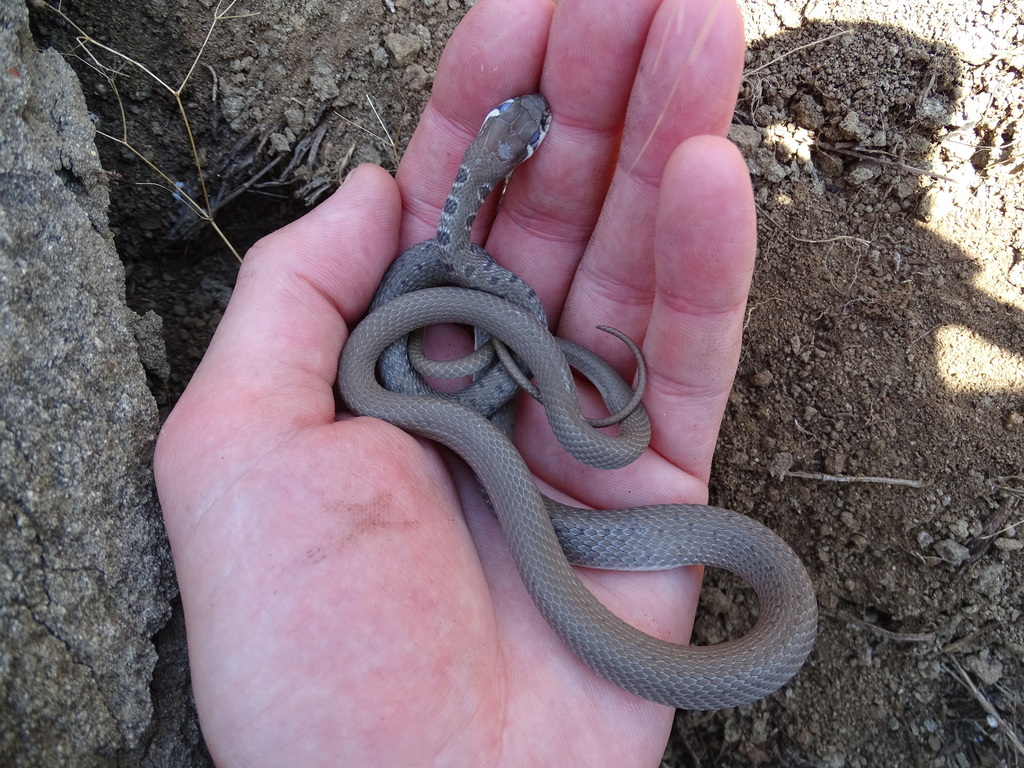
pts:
[349, 600]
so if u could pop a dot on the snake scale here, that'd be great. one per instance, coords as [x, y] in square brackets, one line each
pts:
[449, 280]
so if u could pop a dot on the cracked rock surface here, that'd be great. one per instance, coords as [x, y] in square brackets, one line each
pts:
[85, 574]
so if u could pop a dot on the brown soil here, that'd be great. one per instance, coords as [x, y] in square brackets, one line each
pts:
[885, 332]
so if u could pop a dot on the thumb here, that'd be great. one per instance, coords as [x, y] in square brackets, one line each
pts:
[271, 365]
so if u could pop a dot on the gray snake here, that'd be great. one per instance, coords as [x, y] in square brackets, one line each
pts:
[547, 538]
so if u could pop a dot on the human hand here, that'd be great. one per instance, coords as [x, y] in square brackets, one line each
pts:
[349, 599]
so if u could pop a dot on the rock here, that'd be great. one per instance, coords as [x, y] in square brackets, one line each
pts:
[781, 464]
[403, 48]
[862, 173]
[746, 137]
[988, 669]
[952, 552]
[85, 571]
[852, 128]
[808, 113]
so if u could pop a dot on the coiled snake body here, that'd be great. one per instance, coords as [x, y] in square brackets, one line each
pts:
[546, 538]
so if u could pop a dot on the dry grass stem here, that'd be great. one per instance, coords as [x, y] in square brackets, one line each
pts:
[386, 140]
[790, 52]
[391, 142]
[87, 43]
[1003, 726]
[813, 241]
[855, 479]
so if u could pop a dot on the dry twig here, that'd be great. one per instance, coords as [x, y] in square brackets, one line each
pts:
[882, 158]
[899, 637]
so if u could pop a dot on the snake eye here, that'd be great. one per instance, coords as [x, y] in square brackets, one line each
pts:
[535, 139]
[503, 107]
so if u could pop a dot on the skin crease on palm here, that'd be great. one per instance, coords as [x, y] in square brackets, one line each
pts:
[349, 599]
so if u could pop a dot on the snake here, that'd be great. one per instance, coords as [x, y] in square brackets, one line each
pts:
[548, 539]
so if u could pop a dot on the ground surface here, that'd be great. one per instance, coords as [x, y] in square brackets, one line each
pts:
[885, 332]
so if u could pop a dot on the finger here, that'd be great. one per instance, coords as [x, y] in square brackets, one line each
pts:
[689, 75]
[495, 53]
[272, 363]
[705, 242]
[551, 207]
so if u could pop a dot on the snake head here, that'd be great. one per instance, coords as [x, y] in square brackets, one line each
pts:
[514, 129]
